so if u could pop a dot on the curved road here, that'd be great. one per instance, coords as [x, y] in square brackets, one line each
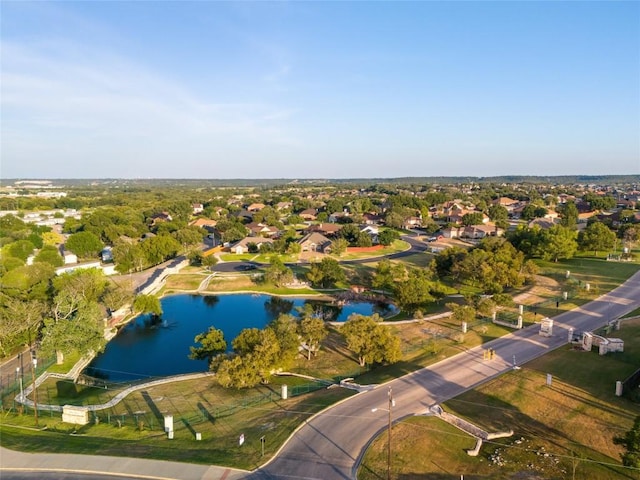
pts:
[417, 246]
[329, 446]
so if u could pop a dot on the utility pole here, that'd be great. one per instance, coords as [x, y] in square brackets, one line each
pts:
[391, 403]
[35, 388]
[262, 440]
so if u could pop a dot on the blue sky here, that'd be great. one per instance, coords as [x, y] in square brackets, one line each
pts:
[319, 89]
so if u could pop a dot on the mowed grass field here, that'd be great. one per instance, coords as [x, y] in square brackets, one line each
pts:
[561, 431]
[134, 427]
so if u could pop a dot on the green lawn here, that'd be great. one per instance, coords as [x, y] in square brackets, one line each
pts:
[135, 427]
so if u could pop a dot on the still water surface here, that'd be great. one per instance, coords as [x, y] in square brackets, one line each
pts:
[149, 347]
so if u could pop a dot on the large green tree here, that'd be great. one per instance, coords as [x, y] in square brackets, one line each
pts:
[49, 254]
[370, 341]
[285, 328]
[313, 331]
[569, 215]
[557, 243]
[257, 355]
[76, 322]
[325, 273]
[20, 249]
[160, 248]
[147, 304]
[211, 342]
[416, 291]
[473, 218]
[19, 321]
[84, 244]
[277, 273]
[596, 237]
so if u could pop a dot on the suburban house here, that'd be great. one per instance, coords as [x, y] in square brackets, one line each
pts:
[328, 229]
[309, 214]
[481, 231]
[242, 246]
[315, 242]
[412, 222]
[372, 231]
[284, 205]
[206, 223]
[543, 223]
[473, 231]
[372, 219]
[255, 207]
[261, 230]
[69, 257]
[197, 208]
[162, 217]
[504, 201]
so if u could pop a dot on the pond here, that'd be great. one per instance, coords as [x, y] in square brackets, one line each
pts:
[148, 347]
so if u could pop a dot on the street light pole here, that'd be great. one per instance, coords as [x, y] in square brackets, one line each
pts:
[391, 403]
[35, 388]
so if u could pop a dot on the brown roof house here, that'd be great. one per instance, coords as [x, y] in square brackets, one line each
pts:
[261, 230]
[328, 229]
[160, 218]
[206, 223]
[309, 214]
[315, 242]
[255, 207]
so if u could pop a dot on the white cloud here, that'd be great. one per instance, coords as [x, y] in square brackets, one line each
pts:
[60, 91]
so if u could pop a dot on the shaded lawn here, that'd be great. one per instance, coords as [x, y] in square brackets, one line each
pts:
[274, 419]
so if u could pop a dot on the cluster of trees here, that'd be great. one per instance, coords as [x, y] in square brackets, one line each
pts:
[370, 341]
[326, 273]
[561, 242]
[258, 353]
[412, 288]
[65, 312]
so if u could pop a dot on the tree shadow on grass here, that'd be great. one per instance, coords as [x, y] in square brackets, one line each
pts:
[66, 390]
[152, 406]
[206, 414]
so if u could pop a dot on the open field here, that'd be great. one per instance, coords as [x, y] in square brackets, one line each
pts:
[568, 425]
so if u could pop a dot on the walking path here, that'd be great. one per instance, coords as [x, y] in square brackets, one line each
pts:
[115, 400]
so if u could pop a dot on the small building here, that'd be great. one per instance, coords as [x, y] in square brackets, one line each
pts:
[197, 208]
[327, 229]
[242, 246]
[315, 242]
[309, 214]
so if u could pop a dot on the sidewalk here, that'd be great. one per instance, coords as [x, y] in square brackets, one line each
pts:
[94, 464]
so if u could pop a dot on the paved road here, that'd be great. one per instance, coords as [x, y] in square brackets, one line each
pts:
[19, 465]
[329, 446]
